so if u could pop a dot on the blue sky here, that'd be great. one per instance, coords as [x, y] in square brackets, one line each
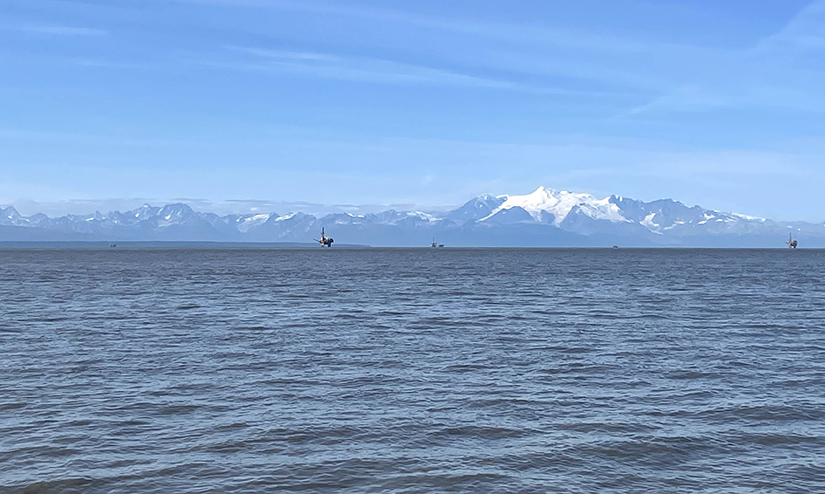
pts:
[718, 103]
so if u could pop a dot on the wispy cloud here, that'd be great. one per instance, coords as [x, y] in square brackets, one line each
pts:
[61, 137]
[780, 71]
[111, 64]
[366, 69]
[534, 48]
[548, 34]
[681, 99]
[806, 30]
[286, 54]
[55, 30]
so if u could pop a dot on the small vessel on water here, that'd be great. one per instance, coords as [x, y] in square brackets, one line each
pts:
[791, 242]
[436, 245]
[324, 240]
[112, 245]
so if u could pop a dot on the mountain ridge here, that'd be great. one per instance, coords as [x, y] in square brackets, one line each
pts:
[544, 217]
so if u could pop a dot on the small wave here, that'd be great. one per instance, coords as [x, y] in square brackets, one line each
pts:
[187, 307]
[63, 486]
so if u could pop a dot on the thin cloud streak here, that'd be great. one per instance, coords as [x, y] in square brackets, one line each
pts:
[662, 86]
[60, 30]
[531, 37]
[110, 64]
[806, 30]
[765, 75]
[532, 33]
[375, 70]
[286, 54]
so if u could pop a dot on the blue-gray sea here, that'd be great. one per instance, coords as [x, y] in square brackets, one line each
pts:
[412, 370]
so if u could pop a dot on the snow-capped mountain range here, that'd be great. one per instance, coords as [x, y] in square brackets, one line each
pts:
[544, 217]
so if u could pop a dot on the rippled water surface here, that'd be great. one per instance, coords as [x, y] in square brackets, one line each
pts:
[426, 370]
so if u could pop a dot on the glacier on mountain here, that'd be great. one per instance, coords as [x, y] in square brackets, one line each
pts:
[548, 206]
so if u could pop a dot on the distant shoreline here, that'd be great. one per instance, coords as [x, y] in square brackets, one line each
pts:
[175, 245]
[170, 244]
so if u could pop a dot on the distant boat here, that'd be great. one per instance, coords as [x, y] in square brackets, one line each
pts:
[436, 245]
[615, 246]
[791, 242]
[112, 245]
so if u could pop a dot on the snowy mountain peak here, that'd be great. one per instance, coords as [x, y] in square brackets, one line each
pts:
[9, 213]
[178, 210]
[547, 205]
[145, 211]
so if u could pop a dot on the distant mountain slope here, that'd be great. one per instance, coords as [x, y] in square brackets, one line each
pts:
[544, 217]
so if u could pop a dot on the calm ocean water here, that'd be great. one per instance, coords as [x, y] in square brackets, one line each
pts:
[429, 370]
